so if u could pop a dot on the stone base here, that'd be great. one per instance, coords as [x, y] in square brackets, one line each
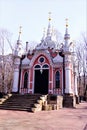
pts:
[77, 99]
[69, 101]
[55, 100]
[48, 107]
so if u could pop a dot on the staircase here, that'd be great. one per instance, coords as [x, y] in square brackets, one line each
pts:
[27, 102]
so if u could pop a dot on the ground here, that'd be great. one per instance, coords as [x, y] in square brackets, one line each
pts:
[62, 119]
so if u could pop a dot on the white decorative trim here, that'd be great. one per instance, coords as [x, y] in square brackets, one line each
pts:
[25, 61]
[50, 82]
[57, 59]
[40, 58]
[37, 54]
[31, 82]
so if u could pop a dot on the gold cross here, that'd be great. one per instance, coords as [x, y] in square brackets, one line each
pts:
[20, 29]
[66, 22]
[49, 16]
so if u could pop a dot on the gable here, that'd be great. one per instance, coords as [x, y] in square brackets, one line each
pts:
[57, 59]
[41, 54]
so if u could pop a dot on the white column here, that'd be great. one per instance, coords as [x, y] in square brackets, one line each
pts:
[15, 81]
[76, 91]
[75, 82]
[16, 75]
[68, 89]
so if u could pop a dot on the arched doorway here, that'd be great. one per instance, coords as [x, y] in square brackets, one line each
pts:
[57, 79]
[26, 80]
[41, 79]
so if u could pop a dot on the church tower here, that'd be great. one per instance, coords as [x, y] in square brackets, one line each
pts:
[17, 56]
[68, 64]
[69, 97]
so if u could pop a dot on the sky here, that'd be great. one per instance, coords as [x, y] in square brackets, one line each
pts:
[32, 15]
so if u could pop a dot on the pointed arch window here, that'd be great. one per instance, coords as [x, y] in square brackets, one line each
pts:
[57, 78]
[37, 66]
[45, 66]
[26, 80]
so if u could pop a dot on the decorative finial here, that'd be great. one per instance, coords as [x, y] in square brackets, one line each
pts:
[66, 22]
[52, 29]
[43, 34]
[49, 16]
[44, 30]
[66, 36]
[49, 25]
[20, 30]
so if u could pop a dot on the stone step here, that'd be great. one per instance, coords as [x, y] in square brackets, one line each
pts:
[17, 108]
[22, 102]
[36, 108]
[29, 104]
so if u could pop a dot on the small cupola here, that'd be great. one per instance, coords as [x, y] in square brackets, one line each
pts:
[66, 37]
[18, 48]
[25, 61]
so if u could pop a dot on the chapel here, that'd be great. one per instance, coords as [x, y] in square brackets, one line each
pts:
[45, 69]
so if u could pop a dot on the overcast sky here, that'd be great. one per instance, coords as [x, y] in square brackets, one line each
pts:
[32, 15]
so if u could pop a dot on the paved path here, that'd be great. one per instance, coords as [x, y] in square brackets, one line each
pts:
[62, 119]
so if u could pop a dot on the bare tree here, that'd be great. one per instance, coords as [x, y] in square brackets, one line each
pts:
[85, 49]
[81, 50]
[5, 37]
[85, 65]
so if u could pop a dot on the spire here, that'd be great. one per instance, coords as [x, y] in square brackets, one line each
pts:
[66, 36]
[49, 16]
[66, 26]
[49, 25]
[43, 34]
[19, 37]
[53, 34]
[18, 48]
[66, 22]
[53, 29]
